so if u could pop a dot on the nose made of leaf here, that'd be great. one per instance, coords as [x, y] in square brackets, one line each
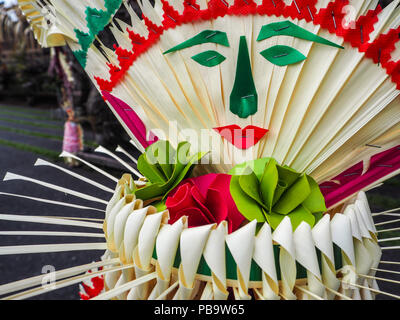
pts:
[243, 98]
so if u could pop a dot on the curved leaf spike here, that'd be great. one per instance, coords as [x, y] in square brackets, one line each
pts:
[130, 118]
[382, 166]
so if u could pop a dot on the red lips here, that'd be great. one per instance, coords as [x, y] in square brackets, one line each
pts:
[242, 138]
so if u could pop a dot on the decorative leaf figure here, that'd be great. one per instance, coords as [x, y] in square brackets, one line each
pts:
[274, 219]
[269, 182]
[301, 214]
[282, 55]
[249, 208]
[209, 58]
[288, 28]
[164, 168]
[275, 192]
[297, 216]
[360, 176]
[294, 196]
[315, 201]
[150, 170]
[257, 166]
[250, 185]
[206, 36]
[287, 177]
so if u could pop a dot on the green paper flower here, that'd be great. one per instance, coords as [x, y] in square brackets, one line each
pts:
[164, 168]
[266, 191]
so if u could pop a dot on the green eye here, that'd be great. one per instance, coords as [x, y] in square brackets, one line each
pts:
[209, 58]
[282, 55]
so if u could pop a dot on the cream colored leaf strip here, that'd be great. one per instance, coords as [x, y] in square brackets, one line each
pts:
[59, 247]
[129, 285]
[62, 284]
[136, 144]
[32, 281]
[390, 248]
[51, 201]
[338, 293]
[41, 162]
[389, 262]
[65, 154]
[378, 278]
[376, 291]
[389, 239]
[75, 218]
[120, 149]
[166, 292]
[394, 214]
[387, 230]
[13, 176]
[388, 271]
[387, 222]
[36, 219]
[104, 150]
[308, 292]
[51, 233]
[383, 212]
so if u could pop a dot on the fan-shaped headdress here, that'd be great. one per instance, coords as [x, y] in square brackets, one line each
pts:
[295, 106]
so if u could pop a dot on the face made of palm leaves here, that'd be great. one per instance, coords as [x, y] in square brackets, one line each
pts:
[243, 100]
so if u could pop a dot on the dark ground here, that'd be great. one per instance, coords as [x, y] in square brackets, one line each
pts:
[15, 267]
[14, 158]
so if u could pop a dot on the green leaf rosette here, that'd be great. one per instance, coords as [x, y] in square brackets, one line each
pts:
[266, 191]
[164, 168]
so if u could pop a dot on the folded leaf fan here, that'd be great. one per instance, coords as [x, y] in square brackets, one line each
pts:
[291, 106]
[315, 80]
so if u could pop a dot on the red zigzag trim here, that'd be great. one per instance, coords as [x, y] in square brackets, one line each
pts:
[94, 290]
[330, 18]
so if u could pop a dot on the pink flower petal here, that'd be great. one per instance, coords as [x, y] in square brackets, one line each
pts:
[181, 200]
[222, 183]
[215, 202]
[195, 216]
[209, 197]
[203, 182]
[201, 204]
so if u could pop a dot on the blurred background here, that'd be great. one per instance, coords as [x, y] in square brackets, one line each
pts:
[49, 81]
[46, 100]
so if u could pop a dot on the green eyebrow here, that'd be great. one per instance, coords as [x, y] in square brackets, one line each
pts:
[206, 36]
[287, 28]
